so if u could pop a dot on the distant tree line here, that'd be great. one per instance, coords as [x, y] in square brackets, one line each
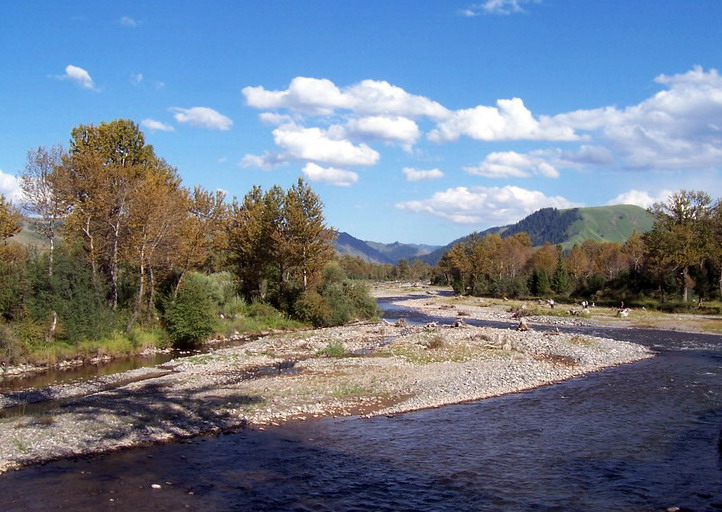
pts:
[680, 256]
[126, 242]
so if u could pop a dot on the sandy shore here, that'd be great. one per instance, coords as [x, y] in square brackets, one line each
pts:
[363, 369]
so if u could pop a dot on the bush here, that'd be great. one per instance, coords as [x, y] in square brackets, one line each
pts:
[190, 317]
[333, 349]
[312, 307]
[11, 348]
[71, 294]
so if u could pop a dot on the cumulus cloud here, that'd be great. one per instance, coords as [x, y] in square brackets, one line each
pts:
[202, 117]
[509, 164]
[267, 161]
[390, 129]
[499, 7]
[79, 76]
[136, 78]
[485, 206]
[330, 175]
[412, 174]
[322, 146]
[156, 126]
[509, 120]
[10, 187]
[641, 198]
[676, 129]
[320, 96]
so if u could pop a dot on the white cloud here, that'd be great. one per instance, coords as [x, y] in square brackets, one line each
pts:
[322, 146]
[79, 76]
[136, 78]
[202, 117]
[501, 7]
[509, 120]
[509, 164]
[10, 187]
[412, 174]
[676, 129]
[320, 96]
[274, 119]
[395, 129]
[485, 206]
[330, 175]
[267, 161]
[127, 21]
[156, 126]
[641, 198]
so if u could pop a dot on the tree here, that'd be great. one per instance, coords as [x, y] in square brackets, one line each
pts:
[39, 196]
[715, 239]
[252, 234]
[10, 219]
[108, 170]
[561, 283]
[305, 242]
[680, 227]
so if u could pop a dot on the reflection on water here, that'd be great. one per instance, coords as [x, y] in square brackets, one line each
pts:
[639, 437]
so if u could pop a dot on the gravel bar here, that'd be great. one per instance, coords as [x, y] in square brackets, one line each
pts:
[364, 369]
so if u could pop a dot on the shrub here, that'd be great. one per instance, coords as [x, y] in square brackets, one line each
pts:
[333, 349]
[11, 348]
[312, 307]
[262, 309]
[190, 317]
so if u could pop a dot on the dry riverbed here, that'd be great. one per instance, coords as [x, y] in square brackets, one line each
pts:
[362, 369]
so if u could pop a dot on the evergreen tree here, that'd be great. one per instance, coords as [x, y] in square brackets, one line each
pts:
[561, 283]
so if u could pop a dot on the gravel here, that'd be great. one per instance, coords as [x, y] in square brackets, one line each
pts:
[384, 369]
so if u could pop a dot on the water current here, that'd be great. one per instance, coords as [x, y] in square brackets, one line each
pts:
[639, 437]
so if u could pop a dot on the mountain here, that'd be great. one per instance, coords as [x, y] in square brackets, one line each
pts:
[397, 250]
[346, 244]
[571, 226]
[376, 252]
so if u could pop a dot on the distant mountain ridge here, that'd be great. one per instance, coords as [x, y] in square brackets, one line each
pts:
[559, 227]
[570, 226]
[376, 252]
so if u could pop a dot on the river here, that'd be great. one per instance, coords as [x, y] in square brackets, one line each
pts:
[639, 437]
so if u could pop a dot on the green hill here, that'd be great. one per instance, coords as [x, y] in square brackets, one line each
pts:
[29, 236]
[571, 226]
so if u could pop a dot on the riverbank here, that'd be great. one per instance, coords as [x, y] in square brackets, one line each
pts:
[363, 369]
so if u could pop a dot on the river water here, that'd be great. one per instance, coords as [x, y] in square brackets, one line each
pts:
[639, 437]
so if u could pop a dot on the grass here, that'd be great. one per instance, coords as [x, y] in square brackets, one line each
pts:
[257, 324]
[350, 389]
[418, 353]
[333, 349]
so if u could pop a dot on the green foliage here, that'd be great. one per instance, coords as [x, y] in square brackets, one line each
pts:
[312, 307]
[190, 317]
[333, 349]
[14, 286]
[561, 282]
[71, 294]
[11, 348]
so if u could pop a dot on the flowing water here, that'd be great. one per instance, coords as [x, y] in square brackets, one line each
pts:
[639, 437]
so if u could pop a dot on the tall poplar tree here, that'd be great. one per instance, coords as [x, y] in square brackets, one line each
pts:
[39, 196]
[680, 232]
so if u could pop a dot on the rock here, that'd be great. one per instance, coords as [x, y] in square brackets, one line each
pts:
[401, 322]
[155, 486]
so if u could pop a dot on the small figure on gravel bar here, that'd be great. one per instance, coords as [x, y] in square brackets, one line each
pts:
[523, 326]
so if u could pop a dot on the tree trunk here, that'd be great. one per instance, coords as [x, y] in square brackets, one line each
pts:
[141, 292]
[114, 268]
[685, 284]
[50, 257]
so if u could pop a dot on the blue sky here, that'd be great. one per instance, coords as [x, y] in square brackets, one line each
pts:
[418, 121]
